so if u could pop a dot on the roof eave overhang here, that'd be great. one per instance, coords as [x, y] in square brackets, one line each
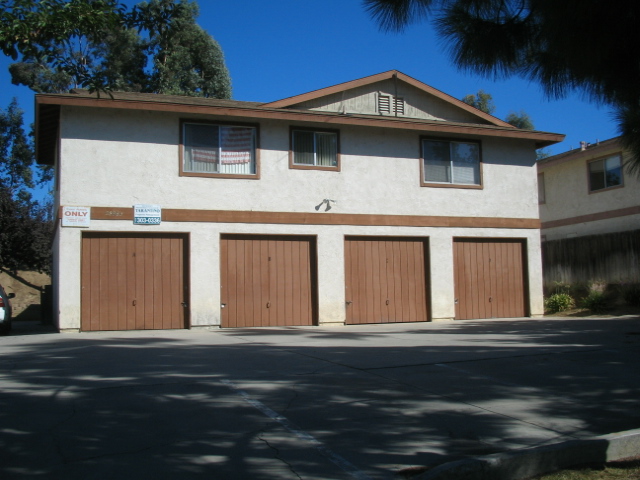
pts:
[541, 139]
[590, 153]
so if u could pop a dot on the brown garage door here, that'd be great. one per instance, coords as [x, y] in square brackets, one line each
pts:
[386, 280]
[489, 278]
[267, 280]
[133, 282]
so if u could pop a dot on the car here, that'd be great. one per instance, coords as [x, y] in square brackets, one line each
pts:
[5, 310]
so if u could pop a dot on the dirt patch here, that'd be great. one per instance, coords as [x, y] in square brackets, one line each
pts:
[27, 286]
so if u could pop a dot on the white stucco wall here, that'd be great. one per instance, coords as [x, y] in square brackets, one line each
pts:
[119, 158]
[115, 158]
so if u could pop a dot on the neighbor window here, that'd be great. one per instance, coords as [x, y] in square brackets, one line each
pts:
[448, 163]
[605, 173]
[541, 190]
[314, 149]
[210, 149]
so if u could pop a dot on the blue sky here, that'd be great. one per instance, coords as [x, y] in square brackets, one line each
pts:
[279, 49]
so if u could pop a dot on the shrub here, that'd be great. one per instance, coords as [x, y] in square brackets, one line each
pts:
[561, 287]
[559, 302]
[596, 301]
[631, 294]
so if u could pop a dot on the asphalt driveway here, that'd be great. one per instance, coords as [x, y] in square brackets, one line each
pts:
[364, 402]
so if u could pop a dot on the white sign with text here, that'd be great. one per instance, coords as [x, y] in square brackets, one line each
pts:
[76, 216]
[147, 214]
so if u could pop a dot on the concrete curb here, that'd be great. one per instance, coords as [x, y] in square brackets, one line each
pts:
[536, 461]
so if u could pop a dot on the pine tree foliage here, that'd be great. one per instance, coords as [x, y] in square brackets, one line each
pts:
[591, 46]
[186, 59]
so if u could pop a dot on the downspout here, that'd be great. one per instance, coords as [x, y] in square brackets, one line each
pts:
[395, 96]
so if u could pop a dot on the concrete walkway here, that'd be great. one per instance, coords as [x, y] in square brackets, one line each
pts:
[363, 402]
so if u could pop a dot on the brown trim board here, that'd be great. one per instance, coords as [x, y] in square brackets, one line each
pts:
[542, 139]
[303, 218]
[622, 212]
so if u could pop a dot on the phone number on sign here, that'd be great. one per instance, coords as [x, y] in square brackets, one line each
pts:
[147, 221]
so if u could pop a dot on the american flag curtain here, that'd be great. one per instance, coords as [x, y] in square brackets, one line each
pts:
[219, 149]
[236, 145]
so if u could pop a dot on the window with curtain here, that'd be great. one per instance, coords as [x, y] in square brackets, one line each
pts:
[451, 162]
[219, 149]
[311, 149]
[605, 173]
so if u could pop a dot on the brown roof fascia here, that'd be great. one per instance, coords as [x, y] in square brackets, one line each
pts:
[249, 110]
[287, 102]
[603, 148]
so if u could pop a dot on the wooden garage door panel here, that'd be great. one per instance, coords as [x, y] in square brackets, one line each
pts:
[489, 278]
[132, 283]
[267, 281]
[385, 280]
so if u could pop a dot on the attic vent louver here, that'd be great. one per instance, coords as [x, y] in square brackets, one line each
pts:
[388, 105]
[384, 104]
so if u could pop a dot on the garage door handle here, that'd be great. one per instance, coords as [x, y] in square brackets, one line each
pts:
[184, 304]
[268, 304]
[491, 299]
[348, 302]
[387, 302]
[134, 303]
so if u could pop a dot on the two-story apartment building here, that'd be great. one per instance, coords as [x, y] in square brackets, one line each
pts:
[376, 200]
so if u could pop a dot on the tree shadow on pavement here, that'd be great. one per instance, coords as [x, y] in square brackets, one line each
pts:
[193, 404]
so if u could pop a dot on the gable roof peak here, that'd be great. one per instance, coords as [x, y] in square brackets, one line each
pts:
[389, 74]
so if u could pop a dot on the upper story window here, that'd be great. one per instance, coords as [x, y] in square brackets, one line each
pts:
[314, 149]
[605, 173]
[451, 164]
[218, 150]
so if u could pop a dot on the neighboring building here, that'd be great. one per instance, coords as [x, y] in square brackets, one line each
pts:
[587, 191]
[376, 200]
[590, 214]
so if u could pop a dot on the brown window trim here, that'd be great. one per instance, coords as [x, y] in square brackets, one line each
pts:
[295, 166]
[423, 183]
[254, 176]
[606, 189]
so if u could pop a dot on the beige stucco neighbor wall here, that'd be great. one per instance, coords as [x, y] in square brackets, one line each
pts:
[115, 158]
[567, 199]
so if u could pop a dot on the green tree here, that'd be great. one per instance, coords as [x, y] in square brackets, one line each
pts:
[186, 59]
[482, 101]
[586, 45]
[113, 55]
[25, 224]
[41, 32]
[520, 120]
